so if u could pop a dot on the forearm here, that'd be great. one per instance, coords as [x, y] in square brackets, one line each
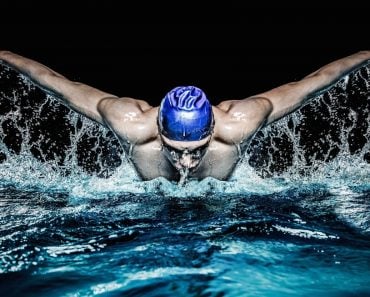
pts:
[291, 96]
[334, 71]
[35, 71]
[80, 97]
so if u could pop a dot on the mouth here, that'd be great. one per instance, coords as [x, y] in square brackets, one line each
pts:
[188, 168]
[184, 172]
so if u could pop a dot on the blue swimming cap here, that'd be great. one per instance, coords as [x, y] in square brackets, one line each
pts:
[185, 114]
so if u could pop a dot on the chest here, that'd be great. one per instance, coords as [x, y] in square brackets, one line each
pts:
[218, 162]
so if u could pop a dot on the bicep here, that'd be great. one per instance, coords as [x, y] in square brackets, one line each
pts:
[80, 97]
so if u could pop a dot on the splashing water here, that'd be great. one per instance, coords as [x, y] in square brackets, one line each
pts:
[293, 220]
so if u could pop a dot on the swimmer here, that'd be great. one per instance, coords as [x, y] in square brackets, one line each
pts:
[185, 137]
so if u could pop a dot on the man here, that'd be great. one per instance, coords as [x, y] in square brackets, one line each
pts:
[185, 137]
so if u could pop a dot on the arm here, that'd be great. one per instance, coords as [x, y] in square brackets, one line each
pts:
[80, 97]
[290, 96]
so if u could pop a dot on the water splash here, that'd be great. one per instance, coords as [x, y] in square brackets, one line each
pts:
[45, 145]
[327, 139]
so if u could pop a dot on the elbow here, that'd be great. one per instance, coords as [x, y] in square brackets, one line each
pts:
[266, 104]
[4, 55]
[364, 52]
[102, 106]
[365, 55]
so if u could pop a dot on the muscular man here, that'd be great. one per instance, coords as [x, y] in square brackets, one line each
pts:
[184, 137]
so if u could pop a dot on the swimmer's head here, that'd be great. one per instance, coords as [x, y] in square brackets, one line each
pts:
[185, 156]
[185, 114]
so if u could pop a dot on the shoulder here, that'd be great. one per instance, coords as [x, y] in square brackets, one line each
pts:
[237, 120]
[123, 103]
[131, 119]
[246, 110]
[123, 108]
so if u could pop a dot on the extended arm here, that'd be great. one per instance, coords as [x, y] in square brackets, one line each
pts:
[289, 97]
[80, 97]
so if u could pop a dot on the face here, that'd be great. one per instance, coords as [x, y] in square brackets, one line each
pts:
[185, 155]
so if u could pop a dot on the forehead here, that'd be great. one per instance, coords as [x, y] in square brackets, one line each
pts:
[182, 145]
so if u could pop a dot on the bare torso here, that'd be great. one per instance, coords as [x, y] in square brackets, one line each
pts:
[150, 161]
[140, 138]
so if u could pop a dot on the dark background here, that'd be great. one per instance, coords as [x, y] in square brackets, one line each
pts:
[142, 50]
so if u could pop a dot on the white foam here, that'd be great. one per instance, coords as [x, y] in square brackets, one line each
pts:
[304, 233]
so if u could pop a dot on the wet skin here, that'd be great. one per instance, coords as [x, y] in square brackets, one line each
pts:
[185, 156]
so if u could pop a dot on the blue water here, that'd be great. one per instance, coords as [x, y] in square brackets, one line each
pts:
[294, 220]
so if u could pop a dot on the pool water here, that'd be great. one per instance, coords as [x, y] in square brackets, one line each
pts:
[297, 242]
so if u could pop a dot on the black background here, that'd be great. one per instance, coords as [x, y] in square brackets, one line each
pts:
[142, 50]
